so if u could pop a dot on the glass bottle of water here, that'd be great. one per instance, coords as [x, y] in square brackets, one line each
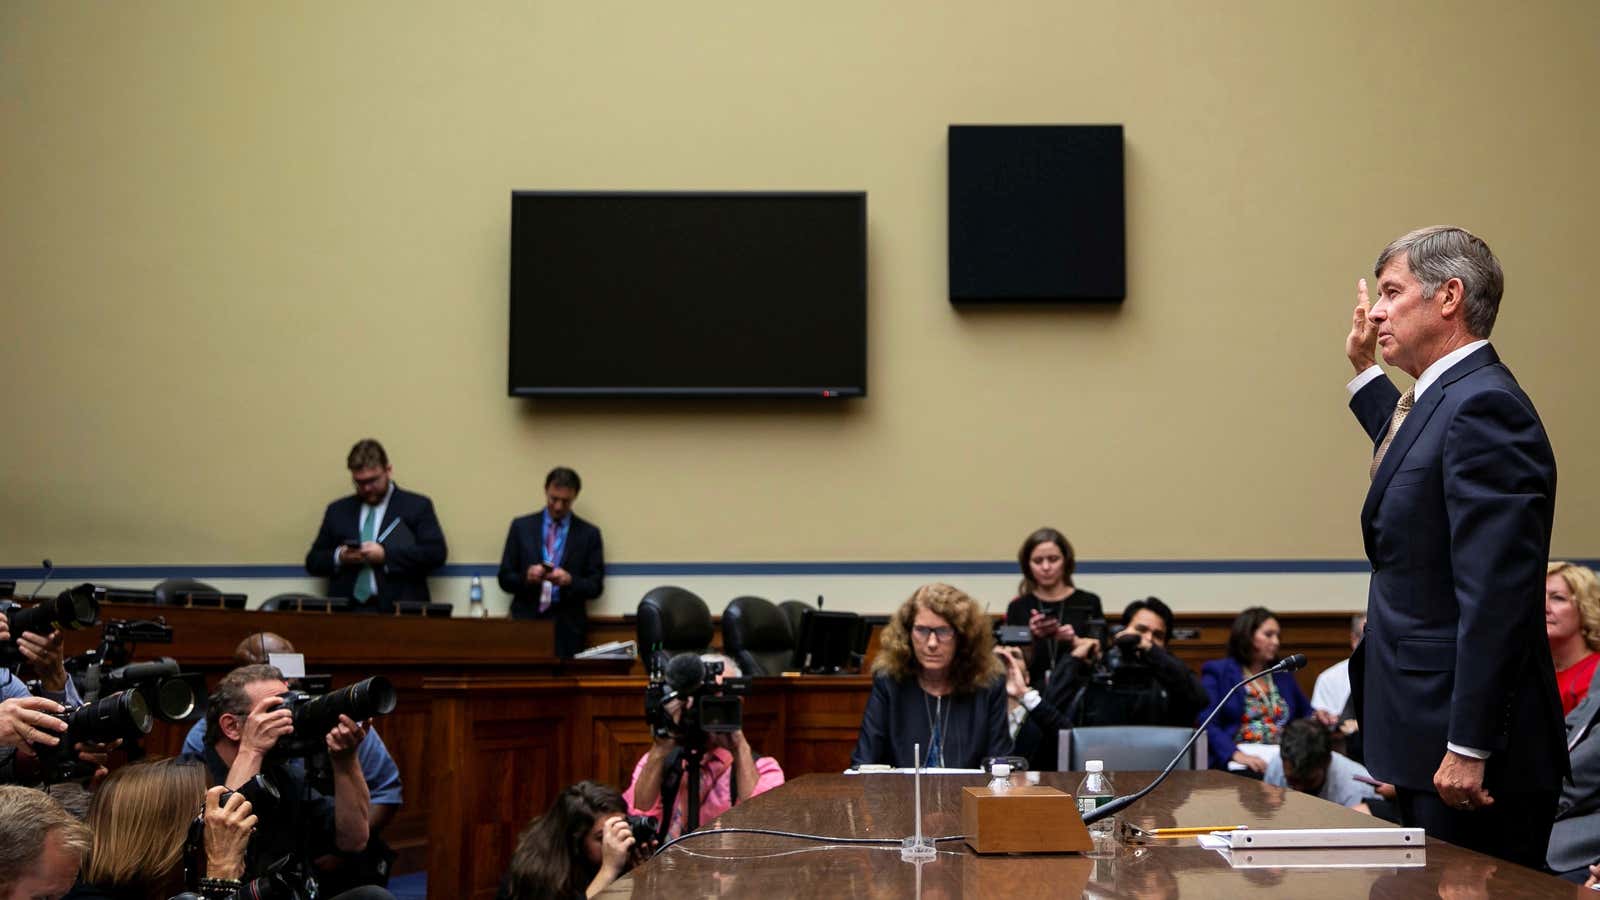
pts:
[475, 607]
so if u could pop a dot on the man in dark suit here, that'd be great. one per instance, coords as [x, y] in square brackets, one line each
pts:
[378, 546]
[1453, 683]
[554, 564]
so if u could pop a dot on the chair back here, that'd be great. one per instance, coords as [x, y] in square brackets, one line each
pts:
[167, 591]
[793, 610]
[756, 634]
[1126, 748]
[672, 620]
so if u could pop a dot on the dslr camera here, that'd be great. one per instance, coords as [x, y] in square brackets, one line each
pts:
[71, 610]
[718, 702]
[124, 715]
[315, 716]
[170, 693]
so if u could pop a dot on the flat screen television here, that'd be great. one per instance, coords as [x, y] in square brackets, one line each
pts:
[630, 294]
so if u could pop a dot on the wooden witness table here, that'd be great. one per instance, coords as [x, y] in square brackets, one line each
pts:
[880, 806]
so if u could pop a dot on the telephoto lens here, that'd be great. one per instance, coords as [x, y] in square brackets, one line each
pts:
[71, 610]
[121, 715]
[314, 717]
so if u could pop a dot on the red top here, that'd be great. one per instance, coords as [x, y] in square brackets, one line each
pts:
[1573, 681]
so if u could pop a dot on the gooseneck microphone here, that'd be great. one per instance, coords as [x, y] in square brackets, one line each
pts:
[49, 569]
[1287, 664]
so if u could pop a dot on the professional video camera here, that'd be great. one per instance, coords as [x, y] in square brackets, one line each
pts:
[123, 715]
[1126, 663]
[71, 610]
[315, 716]
[170, 694]
[717, 707]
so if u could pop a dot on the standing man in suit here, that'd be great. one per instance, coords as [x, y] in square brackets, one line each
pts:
[1453, 682]
[380, 545]
[554, 564]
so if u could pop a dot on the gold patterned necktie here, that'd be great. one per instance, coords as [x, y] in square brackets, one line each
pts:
[1401, 410]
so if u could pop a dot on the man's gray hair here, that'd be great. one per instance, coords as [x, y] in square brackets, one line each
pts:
[1443, 252]
[730, 669]
[27, 818]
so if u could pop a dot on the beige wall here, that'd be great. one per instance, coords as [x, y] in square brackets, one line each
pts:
[235, 237]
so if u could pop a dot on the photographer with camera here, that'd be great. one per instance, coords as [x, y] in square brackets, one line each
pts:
[251, 730]
[1134, 682]
[730, 771]
[576, 850]
[29, 721]
[149, 843]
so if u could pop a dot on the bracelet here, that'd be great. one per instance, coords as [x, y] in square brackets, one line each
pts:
[220, 888]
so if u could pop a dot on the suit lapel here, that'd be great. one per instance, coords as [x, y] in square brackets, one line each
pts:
[1414, 425]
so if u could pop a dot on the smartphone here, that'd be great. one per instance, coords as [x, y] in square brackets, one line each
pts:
[353, 544]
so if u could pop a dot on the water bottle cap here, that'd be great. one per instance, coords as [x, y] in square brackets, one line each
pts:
[1094, 765]
[1000, 770]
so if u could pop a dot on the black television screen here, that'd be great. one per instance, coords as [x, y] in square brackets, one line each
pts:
[688, 294]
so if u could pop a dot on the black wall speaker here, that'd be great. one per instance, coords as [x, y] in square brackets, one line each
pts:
[1036, 214]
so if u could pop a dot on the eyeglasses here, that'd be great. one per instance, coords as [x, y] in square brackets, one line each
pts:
[923, 632]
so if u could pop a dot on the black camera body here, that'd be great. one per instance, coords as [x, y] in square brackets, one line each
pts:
[71, 610]
[717, 707]
[315, 716]
[1013, 635]
[123, 715]
[644, 830]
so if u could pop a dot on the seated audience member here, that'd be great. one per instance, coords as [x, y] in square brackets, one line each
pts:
[41, 846]
[1572, 625]
[1307, 763]
[244, 725]
[1575, 837]
[575, 850]
[730, 772]
[554, 563]
[1166, 693]
[1332, 690]
[1047, 564]
[936, 682]
[140, 820]
[377, 766]
[379, 546]
[1257, 712]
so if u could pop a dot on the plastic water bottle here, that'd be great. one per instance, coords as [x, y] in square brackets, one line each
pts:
[1094, 792]
[1002, 777]
[475, 608]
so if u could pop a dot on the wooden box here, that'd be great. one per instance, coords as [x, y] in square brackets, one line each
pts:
[1022, 819]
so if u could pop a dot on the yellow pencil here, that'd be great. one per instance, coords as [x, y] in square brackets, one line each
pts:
[1191, 830]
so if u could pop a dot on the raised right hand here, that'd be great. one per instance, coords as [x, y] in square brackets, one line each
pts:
[616, 844]
[266, 723]
[27, 720]
[228, 829]
[1361, 345]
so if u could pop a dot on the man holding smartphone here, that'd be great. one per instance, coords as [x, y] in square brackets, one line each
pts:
[379, 546]
[554, 563]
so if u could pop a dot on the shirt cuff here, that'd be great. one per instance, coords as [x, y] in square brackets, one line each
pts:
[1371, 374]
[336, 557]
[1473, 752]
[1014, 719]
[1031, 699]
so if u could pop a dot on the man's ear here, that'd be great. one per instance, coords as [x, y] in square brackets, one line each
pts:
[231, 726]
[1451, 297]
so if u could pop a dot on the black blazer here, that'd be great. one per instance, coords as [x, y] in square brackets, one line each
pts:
[406, 565]
[583, 557]
[1457, 529]
[897, 717]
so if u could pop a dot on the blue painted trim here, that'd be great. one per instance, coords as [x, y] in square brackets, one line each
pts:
[669, 569]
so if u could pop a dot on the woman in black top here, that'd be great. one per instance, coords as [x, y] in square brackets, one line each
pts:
[936, 683]
[1047, 563]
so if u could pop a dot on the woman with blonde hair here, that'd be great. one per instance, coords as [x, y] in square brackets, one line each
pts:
[936, 682]
[140, 818]
[1572, 625]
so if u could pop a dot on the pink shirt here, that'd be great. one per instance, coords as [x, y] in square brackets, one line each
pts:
[716, 788]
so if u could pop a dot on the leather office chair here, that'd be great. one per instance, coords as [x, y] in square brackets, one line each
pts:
[167, 591]
[1129, 747]
[292, 601]
[756, 634]
[793, 610]
[671, 621]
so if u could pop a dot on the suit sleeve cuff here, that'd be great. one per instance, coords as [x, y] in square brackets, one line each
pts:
[1473, 752]
[1371, 373]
